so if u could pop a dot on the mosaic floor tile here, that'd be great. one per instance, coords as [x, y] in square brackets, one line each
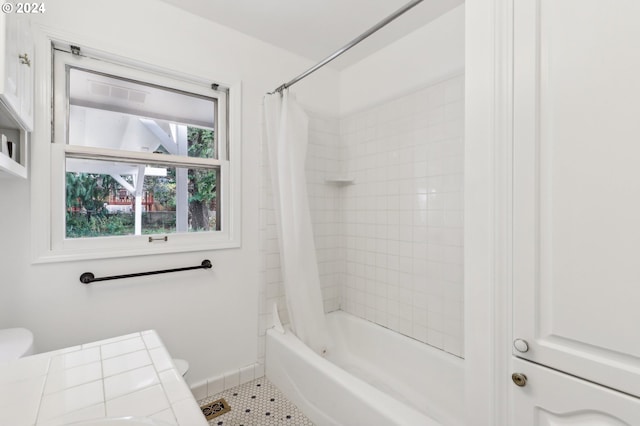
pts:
[255, 403]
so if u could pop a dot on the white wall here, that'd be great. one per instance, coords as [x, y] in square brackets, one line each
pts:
[207, 317]
[422, 57]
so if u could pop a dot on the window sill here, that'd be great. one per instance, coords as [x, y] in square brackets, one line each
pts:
[132, 250]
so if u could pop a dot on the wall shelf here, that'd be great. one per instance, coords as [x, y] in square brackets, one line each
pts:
[9, 167]
[16, 167]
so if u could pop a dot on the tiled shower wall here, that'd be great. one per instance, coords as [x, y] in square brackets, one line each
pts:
[403, 216]
[389, 244]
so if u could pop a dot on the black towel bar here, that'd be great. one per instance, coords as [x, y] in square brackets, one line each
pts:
[88, 277]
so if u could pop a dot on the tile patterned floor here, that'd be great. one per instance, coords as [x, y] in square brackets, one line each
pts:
[257, 403]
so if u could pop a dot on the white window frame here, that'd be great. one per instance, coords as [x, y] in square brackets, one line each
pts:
[52, 244]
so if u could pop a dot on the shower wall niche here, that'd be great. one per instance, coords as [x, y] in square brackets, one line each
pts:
[389, 243]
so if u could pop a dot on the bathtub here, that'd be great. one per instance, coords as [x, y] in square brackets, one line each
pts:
[371, 376]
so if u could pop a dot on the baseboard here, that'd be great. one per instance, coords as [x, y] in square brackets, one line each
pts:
[228, 380]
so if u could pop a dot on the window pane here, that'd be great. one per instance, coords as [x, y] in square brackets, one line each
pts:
[103, 199]
[97, 206]
[110, 112]
[203, 200]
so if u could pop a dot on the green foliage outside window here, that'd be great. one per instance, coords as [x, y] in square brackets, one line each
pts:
[87, 195]
[202, 183]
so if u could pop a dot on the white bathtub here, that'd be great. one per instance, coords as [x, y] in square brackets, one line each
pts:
[372, 376]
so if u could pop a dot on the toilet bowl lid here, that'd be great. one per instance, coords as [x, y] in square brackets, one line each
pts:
[15, 343]
[182, 365]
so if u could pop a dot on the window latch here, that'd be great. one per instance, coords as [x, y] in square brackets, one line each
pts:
[165, 238]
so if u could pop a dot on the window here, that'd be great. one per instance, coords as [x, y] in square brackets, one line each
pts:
[140, 161]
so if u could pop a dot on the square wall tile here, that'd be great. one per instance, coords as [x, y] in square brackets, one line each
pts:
[215, 385]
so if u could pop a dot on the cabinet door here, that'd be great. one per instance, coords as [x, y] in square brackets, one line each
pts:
[576, 188]
[12, 70]
[18, 81]
[26, 67]
[551, 398]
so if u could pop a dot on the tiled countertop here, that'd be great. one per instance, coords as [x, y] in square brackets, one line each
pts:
[131, 375]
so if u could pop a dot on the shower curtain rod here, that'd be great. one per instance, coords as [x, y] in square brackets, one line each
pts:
[349, 45]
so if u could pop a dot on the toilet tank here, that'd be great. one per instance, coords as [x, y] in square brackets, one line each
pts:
[15, 343]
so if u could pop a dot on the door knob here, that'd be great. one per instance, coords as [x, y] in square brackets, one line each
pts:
[519, 379]
[521, 345]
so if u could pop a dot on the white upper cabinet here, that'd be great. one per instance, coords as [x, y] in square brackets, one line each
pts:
[16, 84]
[576, 264]
[16, 93]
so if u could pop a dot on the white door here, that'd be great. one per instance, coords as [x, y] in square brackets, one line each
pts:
[577, 187]
[551, 398]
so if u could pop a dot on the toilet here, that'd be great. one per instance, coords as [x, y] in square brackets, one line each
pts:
[181, 365]
[15, 343]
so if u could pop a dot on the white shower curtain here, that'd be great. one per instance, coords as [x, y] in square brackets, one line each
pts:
[285, 132]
